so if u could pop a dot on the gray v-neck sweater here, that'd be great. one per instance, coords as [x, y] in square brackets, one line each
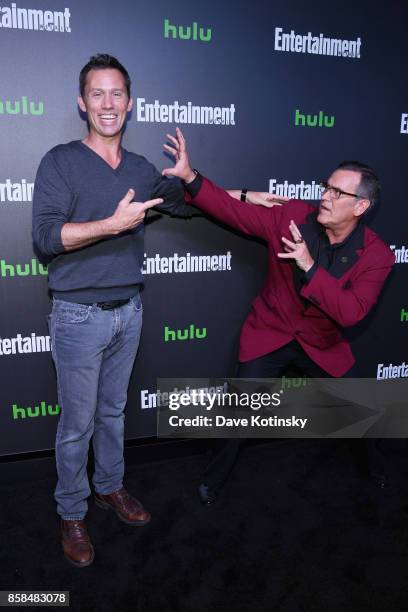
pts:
[74, 184]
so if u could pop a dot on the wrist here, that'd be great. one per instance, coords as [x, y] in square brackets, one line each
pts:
[108, 227]
[308, 265]
[189, 176]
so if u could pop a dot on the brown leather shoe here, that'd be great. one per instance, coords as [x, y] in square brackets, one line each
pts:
[76, 544]
[128, 509]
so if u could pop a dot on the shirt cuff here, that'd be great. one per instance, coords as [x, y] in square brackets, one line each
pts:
[54, 243]
[310, 273]
[194, 187]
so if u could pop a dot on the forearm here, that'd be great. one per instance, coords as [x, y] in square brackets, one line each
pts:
[236, 194]
[78, 235]
[217, 202]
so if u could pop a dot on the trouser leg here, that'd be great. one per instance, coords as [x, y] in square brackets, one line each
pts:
[224, 451]
[116, 369]
[78, 342]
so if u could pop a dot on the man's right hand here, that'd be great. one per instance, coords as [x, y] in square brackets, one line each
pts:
[130, 214]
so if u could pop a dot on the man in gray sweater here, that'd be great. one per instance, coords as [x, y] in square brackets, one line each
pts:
[90, 200]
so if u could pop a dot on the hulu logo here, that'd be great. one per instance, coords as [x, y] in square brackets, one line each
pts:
[193, 32]
[189, 333]
[21, 107]
[31, 412]
[320, 120]
[404, 316]
[34, 268]
[294, 383]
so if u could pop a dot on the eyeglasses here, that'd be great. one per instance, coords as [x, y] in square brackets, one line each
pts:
[337, 193]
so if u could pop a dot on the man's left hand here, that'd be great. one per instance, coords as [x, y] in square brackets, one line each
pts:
[297, 249]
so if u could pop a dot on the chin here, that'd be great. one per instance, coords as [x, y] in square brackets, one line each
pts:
[109, 133]
[324, 222]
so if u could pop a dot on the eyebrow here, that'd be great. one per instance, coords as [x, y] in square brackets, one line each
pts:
[103, 89]
[334, 186]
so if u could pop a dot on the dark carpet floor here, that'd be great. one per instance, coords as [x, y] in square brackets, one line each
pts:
[298, 529]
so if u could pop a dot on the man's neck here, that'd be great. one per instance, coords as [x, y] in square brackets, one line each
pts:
[339, 234]
[108, 148]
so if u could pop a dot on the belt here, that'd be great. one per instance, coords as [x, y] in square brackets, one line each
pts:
[112, 304]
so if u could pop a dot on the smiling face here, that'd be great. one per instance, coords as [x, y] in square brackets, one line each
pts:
[342, 213]
[105, 102]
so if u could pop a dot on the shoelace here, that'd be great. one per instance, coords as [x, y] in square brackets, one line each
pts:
[77, 530]
[124, 498]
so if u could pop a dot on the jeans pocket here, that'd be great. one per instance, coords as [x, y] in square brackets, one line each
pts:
[70, 313]
[136, 302]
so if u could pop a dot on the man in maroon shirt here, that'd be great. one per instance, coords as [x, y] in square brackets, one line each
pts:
[326, 269]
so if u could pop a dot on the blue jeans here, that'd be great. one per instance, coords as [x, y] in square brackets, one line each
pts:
[94, 352]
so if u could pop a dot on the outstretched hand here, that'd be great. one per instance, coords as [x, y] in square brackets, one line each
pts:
[178, 150]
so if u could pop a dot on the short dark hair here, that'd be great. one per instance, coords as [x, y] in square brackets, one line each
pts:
[102, 61]
[369, 186]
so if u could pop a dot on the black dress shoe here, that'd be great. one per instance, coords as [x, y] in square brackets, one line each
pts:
[207, 495]
[379, 479]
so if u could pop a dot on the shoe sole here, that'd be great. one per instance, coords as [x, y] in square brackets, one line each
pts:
[106, 506]
[76, 564]
[205, 499]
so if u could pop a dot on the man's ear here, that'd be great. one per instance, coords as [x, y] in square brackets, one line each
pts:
[361, 207]
[81, 104]
[130, 105]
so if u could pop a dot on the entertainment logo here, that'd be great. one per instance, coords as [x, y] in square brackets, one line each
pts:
[15, 18]
[22, 345]
[401, 253]
[316, 45]
[386, 372]
[21, 191]
[186, 263]
[299, 191]
[180, 113]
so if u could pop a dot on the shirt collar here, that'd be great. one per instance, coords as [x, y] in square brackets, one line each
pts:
[354, 240]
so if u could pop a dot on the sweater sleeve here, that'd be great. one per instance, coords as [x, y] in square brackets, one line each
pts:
[172, 191]
[52, 204]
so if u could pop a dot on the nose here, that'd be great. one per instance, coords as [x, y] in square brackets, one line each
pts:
[107, 100]
[325, 197]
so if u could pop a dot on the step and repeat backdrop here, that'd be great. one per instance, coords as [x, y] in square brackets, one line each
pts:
[270, 96]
